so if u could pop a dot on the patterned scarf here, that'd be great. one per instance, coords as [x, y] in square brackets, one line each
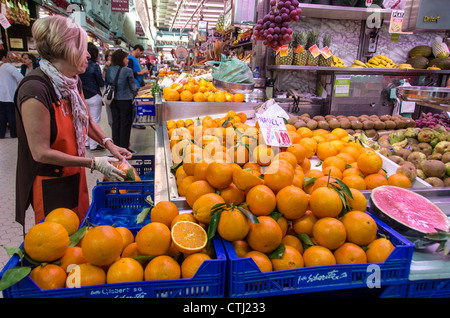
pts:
[66, 87]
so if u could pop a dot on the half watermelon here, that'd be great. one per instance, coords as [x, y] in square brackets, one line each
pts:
[409, 213]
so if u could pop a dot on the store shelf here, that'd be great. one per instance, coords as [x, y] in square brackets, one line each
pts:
[390, 71]
[341, 12]
[442, 107]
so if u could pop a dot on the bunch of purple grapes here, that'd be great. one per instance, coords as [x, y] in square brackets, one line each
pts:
[430, 120]
[274, 28]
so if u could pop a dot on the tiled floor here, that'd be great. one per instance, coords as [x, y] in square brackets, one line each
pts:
[11, 232]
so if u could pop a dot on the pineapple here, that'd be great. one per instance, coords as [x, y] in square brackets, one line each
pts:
[286, 59]
[220, 23]
[313, 37]
[322, 60]
[301, 58]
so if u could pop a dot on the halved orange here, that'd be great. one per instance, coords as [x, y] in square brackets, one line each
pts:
[178, 87]
[189, 237]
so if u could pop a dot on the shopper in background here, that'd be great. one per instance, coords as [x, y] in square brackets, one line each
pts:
[133, 63]
[122, 105]
[149, 65]
[29, 63]
[92, 86]
[9, 79]
[53, 123]
[108, 57]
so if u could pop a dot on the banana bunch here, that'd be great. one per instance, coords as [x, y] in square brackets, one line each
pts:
[381, 61]
[405, 66]
[337, 62]
[359, 64]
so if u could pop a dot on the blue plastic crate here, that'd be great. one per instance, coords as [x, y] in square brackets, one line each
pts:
[110, 206]
[208, 282]
[432, 288]
[244, 279]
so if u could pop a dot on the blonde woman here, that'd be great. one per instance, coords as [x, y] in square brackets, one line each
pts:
[53, 123]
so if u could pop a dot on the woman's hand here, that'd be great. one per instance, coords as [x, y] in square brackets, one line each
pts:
[119, 152]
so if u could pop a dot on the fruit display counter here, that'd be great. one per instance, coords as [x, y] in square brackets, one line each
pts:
[276, 231]
[247, 274]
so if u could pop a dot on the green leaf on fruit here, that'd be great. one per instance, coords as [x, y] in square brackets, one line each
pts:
[14, 275]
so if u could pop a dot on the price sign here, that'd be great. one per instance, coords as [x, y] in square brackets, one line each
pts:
[315, 51]
[4, 21]
[396, 23]
[274, 131]
[342, 86]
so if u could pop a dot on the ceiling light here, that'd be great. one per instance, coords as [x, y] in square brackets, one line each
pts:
[193, 9]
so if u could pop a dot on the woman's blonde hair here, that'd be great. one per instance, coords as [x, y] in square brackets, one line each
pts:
[58, 37]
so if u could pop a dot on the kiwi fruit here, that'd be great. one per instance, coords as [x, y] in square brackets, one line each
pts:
[345, 123]
[363, 117]
[305, 115]
[371, 133]
[351, 132]
[329, 117]
[292, 120]
[334, 123]
[390, 125]
[409, 122]
[323, 124]
[400, 124]
[385, 117]
[368, 124]
[352, 118]
[379, 125]
[311, 124]
[299, 123]
[318, 118]
[356, 124]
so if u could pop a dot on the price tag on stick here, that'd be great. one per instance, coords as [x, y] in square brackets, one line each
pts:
[4, 21]
[274, 131]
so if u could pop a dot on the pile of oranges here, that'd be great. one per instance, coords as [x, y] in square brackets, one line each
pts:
[199, 91]
[163, 73]
[284, 198]
[173, 246]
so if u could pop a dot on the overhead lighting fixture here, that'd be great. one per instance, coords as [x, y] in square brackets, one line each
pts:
[211, 15]
[207, 10]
